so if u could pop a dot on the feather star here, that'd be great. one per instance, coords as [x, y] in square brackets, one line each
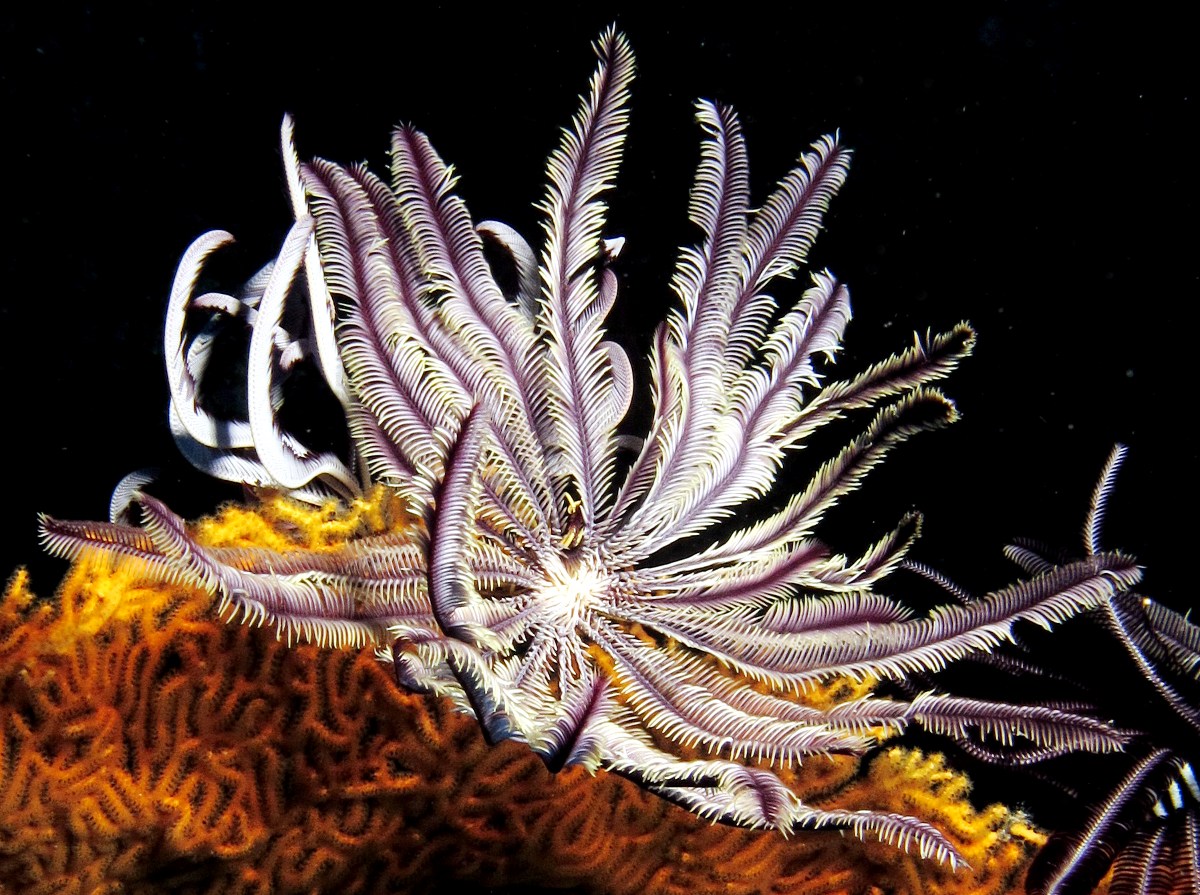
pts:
[572, 587]
[1141, 808]
[1145, 824]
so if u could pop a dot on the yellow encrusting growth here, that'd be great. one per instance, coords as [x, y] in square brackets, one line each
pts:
[281, 524]
[147, 746]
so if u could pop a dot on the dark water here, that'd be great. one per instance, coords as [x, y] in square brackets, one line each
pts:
[1029, 167]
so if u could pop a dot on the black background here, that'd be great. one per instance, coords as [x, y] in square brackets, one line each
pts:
[1029, 167]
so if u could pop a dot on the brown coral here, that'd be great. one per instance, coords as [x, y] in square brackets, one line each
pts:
[147, 746]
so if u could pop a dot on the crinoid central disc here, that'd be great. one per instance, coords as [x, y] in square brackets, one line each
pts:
[572, 585]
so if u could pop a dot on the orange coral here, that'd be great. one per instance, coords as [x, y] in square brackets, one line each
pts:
[147, 746]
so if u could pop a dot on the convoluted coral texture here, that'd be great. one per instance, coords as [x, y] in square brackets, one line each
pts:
[149, 747]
